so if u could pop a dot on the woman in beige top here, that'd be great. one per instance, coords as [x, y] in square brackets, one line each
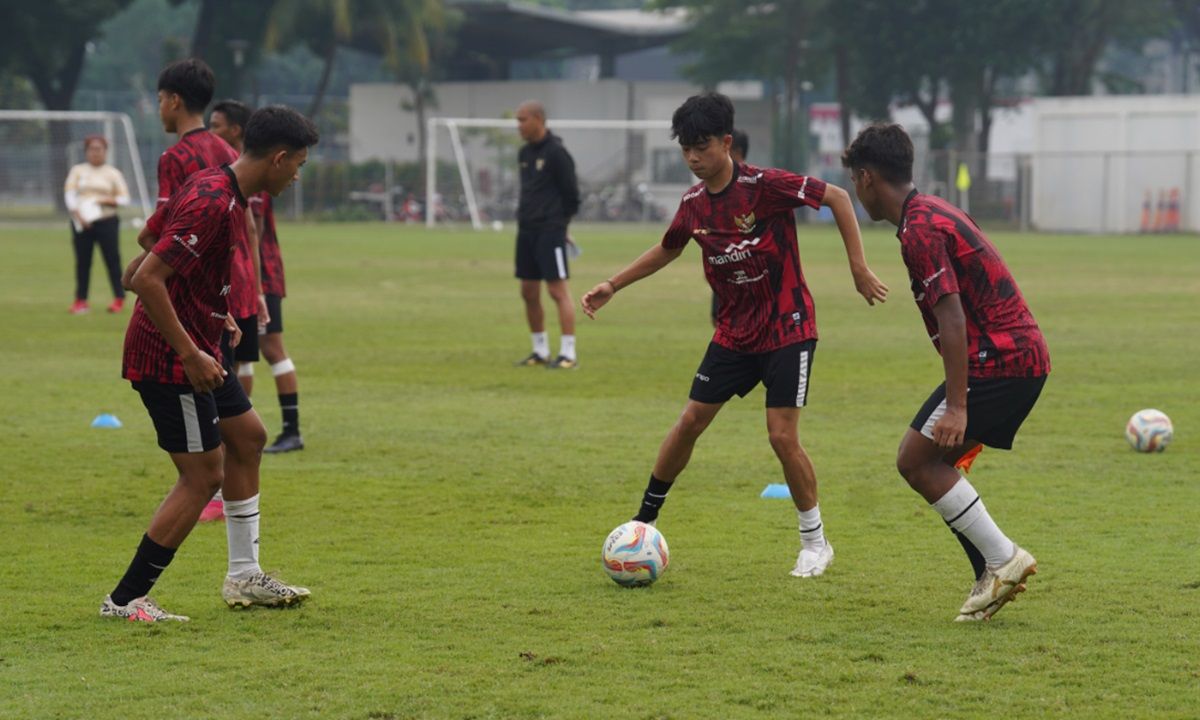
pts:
[93, 191]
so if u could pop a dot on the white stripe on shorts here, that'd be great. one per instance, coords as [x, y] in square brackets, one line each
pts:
[562, 266]
[802, 385]
[191, 423]
[938, 412]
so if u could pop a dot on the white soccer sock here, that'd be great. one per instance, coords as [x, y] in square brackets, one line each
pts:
[541, 345]
[567, 347]
[812, 533]
[963, 510]
[241, 529]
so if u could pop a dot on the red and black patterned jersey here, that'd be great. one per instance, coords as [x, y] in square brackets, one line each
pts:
[946, 252]
[196, 240]
[268, 245]
[747, 234]
[198, 150]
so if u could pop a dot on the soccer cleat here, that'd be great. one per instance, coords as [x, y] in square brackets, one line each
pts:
[141, 609]
[214, 510]
[998, 586]
[811, 563]
[562, 362]
[261, 589]
[116, 305]
[286, 442]
[532, 361]
[79, 307]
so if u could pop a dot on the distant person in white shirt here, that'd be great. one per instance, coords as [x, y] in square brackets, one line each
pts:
[94, 190]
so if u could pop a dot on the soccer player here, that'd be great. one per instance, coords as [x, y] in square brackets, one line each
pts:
[993, 353]
[738, 151]
[228, 119]
[171, 350]
[549, 198]
[741, 217]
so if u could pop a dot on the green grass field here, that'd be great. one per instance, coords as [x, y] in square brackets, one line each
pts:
[449, 509]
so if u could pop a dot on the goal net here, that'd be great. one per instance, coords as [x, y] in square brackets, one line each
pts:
[38, 148]
[628, 170]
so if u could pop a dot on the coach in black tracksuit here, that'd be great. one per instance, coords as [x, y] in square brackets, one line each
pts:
[549, 199]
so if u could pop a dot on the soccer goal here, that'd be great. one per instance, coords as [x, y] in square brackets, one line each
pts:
[628, 170]
[38, 148]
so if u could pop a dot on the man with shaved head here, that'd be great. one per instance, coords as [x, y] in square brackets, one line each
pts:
[549, 198]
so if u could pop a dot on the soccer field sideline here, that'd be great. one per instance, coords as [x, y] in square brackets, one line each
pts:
[449, 511]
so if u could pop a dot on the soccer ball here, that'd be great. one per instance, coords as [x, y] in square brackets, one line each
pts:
[1149, 431]
[635, 554]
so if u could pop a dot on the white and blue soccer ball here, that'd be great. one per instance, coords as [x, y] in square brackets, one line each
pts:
[1149, 430]
[635, 554]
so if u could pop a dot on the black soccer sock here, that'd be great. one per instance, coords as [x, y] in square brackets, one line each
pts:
[148, 563]
[290, 406]
[977, 562]
[652, 500]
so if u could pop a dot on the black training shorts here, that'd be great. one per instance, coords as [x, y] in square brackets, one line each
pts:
[275, 307]
[724, 373]
[247, 348]
[542, 253]
[996, 407]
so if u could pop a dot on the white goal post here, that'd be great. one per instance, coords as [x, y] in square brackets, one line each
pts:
[454, 126]
[114, 126]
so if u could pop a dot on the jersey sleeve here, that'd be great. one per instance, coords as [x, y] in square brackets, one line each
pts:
[783, 191]
[170, 177]
[192, 236]
[927, 256]
[680, 230]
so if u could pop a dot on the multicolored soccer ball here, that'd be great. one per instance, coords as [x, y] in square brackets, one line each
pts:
[1149, 431]
[635, 554]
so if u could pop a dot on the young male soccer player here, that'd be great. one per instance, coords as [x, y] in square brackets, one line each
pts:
[228, 120]
[993, 352]
[741, 217]
[549, 199]
[201, 415]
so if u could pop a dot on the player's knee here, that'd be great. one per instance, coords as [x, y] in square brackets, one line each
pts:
[692, 424]
[783, 441]
[530, 294]
[909, 466]
[247, 445]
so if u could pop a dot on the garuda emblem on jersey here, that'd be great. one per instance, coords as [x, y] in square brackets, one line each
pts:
[745, 223]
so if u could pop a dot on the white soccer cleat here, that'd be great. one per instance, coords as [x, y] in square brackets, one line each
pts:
[141, 609]
[812, 563]
[261, 589]
[997, 587]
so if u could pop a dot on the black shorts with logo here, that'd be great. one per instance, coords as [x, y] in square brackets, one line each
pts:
[275, 307]
[542, 253]
[724, 373]
[996, 407]
[187, 421]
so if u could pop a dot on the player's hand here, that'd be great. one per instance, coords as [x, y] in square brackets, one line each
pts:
[870, 287]
[950, 430]
[203, 371]
[130, 270]
[597, 298]
[264, 315]
[235, 332]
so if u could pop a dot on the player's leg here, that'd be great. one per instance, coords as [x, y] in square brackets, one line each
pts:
[286, 385]
[245, 436]
[81, 241]
[183, 421]
[552, 265]
[110, 250]
[531, 295]
[246, 352]
[674, 454]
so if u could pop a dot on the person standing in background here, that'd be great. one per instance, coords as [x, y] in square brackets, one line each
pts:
[93, 192]
[549, 199]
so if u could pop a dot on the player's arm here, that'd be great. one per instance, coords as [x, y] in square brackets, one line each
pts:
[264, 315]
[150, 283]
[950, 430]
[869, 286]
[650, 262]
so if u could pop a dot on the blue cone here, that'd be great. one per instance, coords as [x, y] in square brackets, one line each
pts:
[776, 490]
[106, 420]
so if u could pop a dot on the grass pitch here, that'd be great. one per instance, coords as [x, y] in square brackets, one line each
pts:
[449, 510]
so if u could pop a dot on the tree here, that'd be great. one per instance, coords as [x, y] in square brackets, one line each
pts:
[229, 37]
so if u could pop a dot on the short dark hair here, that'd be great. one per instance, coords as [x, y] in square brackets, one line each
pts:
[192, 80]
[885, 148]
[278, 126]
[701, 117]
[235, 112]
[741, 142]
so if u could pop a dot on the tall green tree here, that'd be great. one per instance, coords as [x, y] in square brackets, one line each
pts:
[229, 35]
